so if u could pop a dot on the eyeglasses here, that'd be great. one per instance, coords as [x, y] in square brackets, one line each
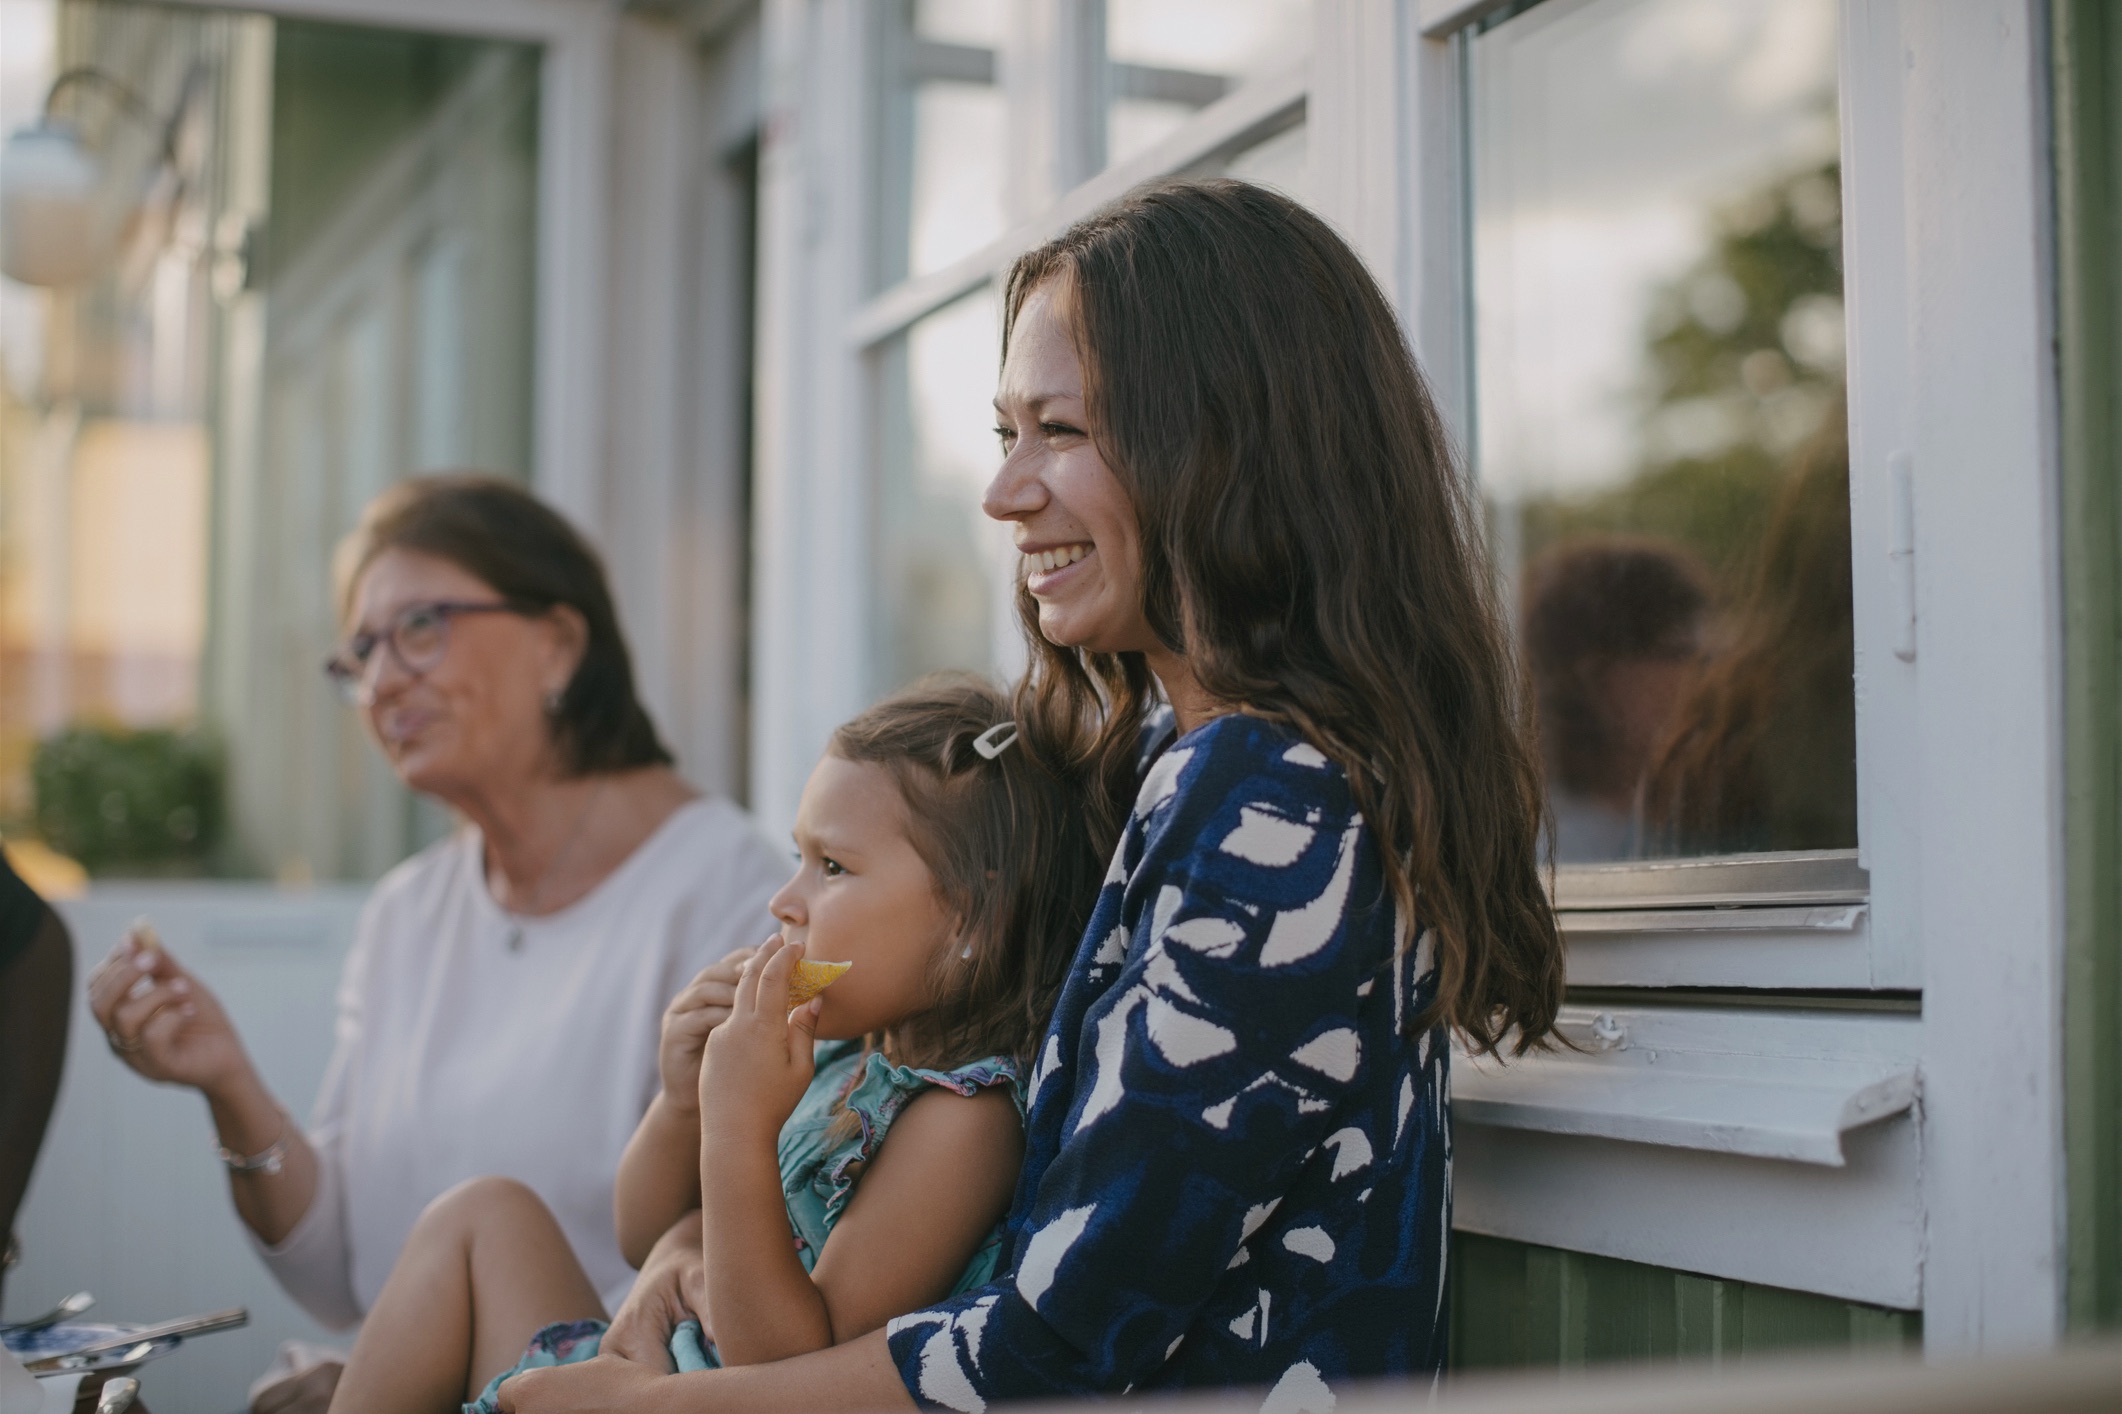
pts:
[417, 636]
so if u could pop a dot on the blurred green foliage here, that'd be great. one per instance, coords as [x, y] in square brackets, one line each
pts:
[1742, 360]
[124, 801]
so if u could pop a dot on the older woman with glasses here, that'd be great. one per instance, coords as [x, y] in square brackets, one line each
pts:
[500, 1008]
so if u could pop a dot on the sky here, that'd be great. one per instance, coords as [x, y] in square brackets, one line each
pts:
[1604, 140]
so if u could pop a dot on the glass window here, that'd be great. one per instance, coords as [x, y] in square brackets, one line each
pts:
[329, 286]
[941, 183]
[1278, 161]
[1171, 58]
[973, 22]
[1658, 419]
[946, 569]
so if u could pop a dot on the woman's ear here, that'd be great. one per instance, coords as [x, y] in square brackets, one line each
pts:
[569, 638]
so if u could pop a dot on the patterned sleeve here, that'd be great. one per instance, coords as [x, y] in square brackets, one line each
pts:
[1205, 1075]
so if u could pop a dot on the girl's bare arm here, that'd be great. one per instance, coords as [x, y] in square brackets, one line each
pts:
[924, 1207]
[930, 1198]
[659, 1175]
[659, 1178]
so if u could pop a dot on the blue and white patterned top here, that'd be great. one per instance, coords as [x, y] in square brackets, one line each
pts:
[1238, 1165]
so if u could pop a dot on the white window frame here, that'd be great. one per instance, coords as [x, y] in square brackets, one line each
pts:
[574, 213]
[1953, 1205]
[628, 107]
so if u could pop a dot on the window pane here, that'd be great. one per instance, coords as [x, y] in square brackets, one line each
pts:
[975, 22]
[330, 288]
[1658, 419]
[1278, 162]
[944, 569]
[957, 201]
[1171, 58]
[939, 154]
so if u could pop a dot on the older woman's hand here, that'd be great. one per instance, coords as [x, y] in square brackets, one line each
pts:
[692, 1014]
[159, 1020]
[672, 1288]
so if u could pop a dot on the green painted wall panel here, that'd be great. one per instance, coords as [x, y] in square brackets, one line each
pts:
[2086, 46]
[1517, 1305]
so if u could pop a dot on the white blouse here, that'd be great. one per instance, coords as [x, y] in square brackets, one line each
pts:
[473, 1041]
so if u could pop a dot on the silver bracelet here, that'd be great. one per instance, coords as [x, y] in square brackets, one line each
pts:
[266, 1161]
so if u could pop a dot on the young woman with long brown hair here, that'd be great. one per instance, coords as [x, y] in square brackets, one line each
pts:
[1232, 490]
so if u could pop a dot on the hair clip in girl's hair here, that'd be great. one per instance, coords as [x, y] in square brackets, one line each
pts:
[995, 740]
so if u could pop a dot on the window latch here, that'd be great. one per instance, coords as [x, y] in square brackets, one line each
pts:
[1901, 552]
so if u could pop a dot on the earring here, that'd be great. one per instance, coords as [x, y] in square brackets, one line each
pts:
[965, 952]
[552, 703]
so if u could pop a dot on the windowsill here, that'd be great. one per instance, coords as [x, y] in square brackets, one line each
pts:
[1715, 881]
[1671, 1079]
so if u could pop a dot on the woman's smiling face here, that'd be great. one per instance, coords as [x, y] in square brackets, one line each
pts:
[1074, 523]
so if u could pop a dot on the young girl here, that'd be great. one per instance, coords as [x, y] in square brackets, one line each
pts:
[944, 857]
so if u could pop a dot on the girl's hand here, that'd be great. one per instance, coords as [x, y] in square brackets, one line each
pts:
[160, 1021]
[759, 1061]
[692, 1014]
[605, 1385]
[672, 1288]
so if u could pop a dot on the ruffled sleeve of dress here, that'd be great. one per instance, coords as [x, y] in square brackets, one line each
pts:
[823, 1158]
[882, 1093]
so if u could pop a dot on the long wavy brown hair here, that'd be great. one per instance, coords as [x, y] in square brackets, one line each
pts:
[1311, 547]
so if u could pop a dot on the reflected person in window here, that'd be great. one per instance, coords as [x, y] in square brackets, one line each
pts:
[1231, 490]
[1612, 637]
[587, 885]
[1762, 753]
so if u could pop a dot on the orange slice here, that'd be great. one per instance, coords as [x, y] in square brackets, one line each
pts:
[811, 978]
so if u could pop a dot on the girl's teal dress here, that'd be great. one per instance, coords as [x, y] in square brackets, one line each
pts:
[818, 1175]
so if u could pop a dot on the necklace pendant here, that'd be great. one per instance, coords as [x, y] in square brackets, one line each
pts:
[515, 939]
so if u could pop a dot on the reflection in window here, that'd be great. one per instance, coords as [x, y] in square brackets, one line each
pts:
[1658, 418]
[1171, 58]
[329, 288]
[944, 566]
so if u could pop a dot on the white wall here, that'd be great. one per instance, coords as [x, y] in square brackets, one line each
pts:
[128, 1200]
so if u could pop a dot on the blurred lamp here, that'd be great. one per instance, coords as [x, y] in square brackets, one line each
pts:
[61, 215]
[55, 226]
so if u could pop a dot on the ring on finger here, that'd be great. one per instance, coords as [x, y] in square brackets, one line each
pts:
[121, 1044]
